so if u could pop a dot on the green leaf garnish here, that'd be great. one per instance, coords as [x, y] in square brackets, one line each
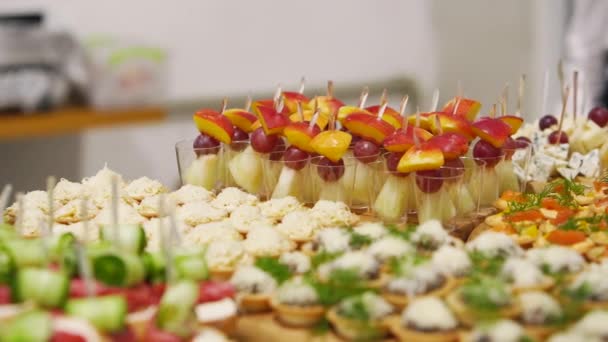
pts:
[359, 240]
[323, 257]
[278, 271]
[403, 233]
[485, 295]
[342, 283]
[484, 265]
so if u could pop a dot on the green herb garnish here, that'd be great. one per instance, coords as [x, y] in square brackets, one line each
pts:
[359, 240]
[402, 266]
[342, 283]
[278, 271]
[485, 295]
[484, 265]
[323, 257]
[403, 233]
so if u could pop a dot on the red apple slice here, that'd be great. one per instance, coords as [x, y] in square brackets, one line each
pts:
[513, 121]
[292, 98]
[467, 108]
[401, 141]
[272, 122]
[424, 120]
[453, 145]
[452, 124]
[390, 115]
[241, 118]
[492, 130]
[419, 158]
[213, 124]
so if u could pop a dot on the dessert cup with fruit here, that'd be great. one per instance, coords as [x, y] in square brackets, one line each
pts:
[199, 162]
[396, 195]
[513, 170]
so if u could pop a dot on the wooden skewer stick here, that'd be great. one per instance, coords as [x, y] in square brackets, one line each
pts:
[248, 102]
[415, 136]
[84, 214]
[330, 89]
[504, 98]
[456, 105]
[172, 239]
[574, 93]
[6, 193]
[382, 108]
[545, 93]
[438, 123]
[493, 111]
[114, 212]
[459, 89]
[520, 94]
[50, 189]
[302, 85]
[402, 108]
[300, 111]
[435, 101]
[565, 96]
[84, 269]
[363, 97]
[224, 105]
[21, 213]
[561, 77]
[277, 96]
[384, 96]
[314, 119]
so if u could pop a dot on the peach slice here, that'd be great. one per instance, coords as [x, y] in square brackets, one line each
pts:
[494, 131]
[213, 124]
[401, 141]
[292, 98]
[368, 127]
[419, 158]
[257, 124]
[267, 103]
[449, 123]
[390, 115]
[453, 145]
[272, 122]
[424, 120]
[331, 144]
[241, 119]
[326, 104]
[322, 120]
[345, 111]
[513, 121]
[467, 108]
[300, 134]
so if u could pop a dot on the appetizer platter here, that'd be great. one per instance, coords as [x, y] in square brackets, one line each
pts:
[308, 219]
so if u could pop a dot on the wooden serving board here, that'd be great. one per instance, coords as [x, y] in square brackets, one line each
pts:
[265, 328]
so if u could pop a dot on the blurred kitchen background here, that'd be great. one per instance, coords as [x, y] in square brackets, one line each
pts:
[131, 73]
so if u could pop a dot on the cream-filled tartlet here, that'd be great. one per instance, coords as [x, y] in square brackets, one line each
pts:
[231, 198]
[190, 193]
[523, 275]
[254, 288]
[211, 232]
[452, 261]
[416, 281]
[593, 326]
[362, 317]
[246, 217]
[91, 234]
[275, 209]
[329, 240]
[568, 336]
[500, 331]
[152, 231]
[31, 224]
[298, 226]
[297, 262]
[149, 206]
[371, 230]
[557, 259]
[103, 179]
[478, 298]
[389, 247]
[593, 282]
[539, 313]
[71, 212]
[144, 187]
[426, 319]
[266, 241]
[364, 265]
[493, 244]
[66, 191]
[224, 256]
[332, 214]
[32, 201]
[126, 215]
[221, 314]
[195, 213]
[296, 303]
[430, 235]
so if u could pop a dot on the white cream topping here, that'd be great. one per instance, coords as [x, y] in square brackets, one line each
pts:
[276, 208]
[373, 230]
[245, 217]
[297, 262]
[522, 273]
[452, 261]
[493, 243]
[593, 325]
[297, 292]
[126, 215]
[266, 241]
[430, 234]
[538, 307]
[501, 331]
[363, 263]
[333, 240]
[429, 313]
[231, 198]
[215, 311]
[298, 225]
[225, 254]
[419, 280]
[144, 187]
[191, 193]
[210, 232]
[556, 258]
[195, 213]
[66, 191]
[389, 247]
[331, 214]
[596, 279]
[250, 279]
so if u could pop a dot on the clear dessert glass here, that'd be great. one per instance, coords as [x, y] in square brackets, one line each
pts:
[395, 194]
[513, 170]
[328, 181]
[366, 176]
[242, 167]
[434, 193]
[199, 166]
[489, 191]
[287, 176]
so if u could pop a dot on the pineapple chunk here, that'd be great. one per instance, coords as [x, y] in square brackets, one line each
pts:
[287, 185]
[202, 172]
[437, 205]
[246, 170]
[487, 188]
[462, 199]
[507, 177]
[271, 171]
[363, 183]
[392, 201]
[333, 191]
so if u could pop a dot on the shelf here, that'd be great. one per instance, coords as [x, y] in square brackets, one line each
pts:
[73, 120]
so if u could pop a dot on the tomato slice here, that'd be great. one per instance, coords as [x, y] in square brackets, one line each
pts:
[211, 291]
[551, 204]
[506, 228]
[126, 335]
[5, 294]
[527, 215]
[78, 288]
[63, 336]
[566, 237]
[153, 334]
[138, 297]
[157, 291]
[562, 216]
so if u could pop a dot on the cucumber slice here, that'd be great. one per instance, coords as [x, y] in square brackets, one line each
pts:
[118, 269]
[107, 313]
[26, 252]
[131, 237]
[7, 231]
[44, 287]
[7, 266]
[192, 266]
[176, 308]
[62, 249]
[154, 264]
[29, 326]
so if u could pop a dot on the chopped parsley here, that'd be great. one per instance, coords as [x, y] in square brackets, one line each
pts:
[342, 283]
[323, 257]
[586, 224]
[485, 295]
[359, 240]
[280, 272]
[403, 233]
[484, 265]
